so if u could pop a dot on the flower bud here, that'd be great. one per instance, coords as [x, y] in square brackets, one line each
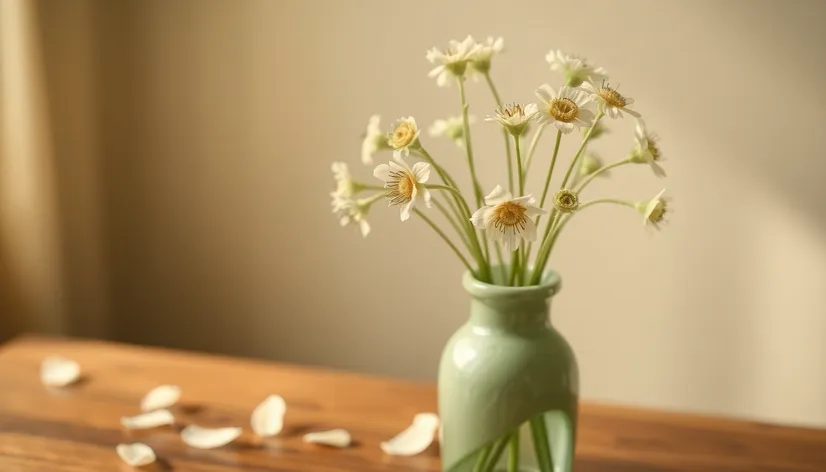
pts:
[566, 201]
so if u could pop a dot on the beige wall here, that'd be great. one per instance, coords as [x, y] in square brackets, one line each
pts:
[216, 123]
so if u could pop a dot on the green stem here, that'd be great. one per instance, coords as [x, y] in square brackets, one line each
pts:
[582, 147]
[503, 270]
[505, 133]
[540, 443]
[496, 453]
[468, 147]
[445, 238]
[550, 170]
[451, 219]
[599, 171]
[615, 201]
[514, 268]
[519, 166]
[513, 453]
[540, 254]
[454, 191]
[446, 178]
[482, 459]
[532, 147]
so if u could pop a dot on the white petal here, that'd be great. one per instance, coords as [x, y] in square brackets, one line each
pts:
[479, 217]
[588, 87]
[497, 195]
[58, 371]
[529, 233]
[436, 71]
[422, 171]
[631, 112]
[586, 116]
[510, 240]
[334, 437]
[404, 213]
[364, 226]
[159, 397]
[415, 439]
[153, 419]
[428, 199]
[382, 172]
[531, 109]
[268, 417]
[208, 438]
[136, 455]
[441, 80]
[658, 170]
[613, 112]
[564, 127]
[533, 211]
[545, 93]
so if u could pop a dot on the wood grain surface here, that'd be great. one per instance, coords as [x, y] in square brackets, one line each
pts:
[76, 429]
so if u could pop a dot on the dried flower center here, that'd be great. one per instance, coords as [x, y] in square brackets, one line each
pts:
[403, 135]
[658, 212]
[402, 184]
[509, 215]
[566, 201]
[564, 109]
[612, 97]
[653, 148]
[513, 110]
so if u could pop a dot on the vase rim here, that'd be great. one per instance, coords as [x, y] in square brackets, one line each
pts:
[549, 285]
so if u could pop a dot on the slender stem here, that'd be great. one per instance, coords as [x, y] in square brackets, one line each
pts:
[482, 459]
[514, 268]
[532, 147]
[503, 270]
[599, 171]
[446, 178]
[496, 453]
[615, 201]
[519, 166]
[451, 219]
[540, 254]
[582, 147]
[455, 192]
[540, 443]
[550, 170]
[505, 133]
[360, 186]
[445, 238]
[468, 147]
[513, 453]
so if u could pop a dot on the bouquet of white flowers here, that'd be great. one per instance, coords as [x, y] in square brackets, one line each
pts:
[509, 217]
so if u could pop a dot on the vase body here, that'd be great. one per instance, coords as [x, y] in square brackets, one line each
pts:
[508, 384]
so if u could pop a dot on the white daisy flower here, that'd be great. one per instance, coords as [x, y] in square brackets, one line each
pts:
[480, 60]
[405, 135]
[569, 108]
[515, 118]
[453, 61]
[452, 127]
[354, 211]
[610, 100]
[654, 210]
[345, 185]
[506, 219]
[575, 69]
[374, 140]
[646, 150]
[405, 184]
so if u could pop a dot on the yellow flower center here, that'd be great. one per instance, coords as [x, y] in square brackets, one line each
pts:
[564, 109]
[612, 97]
[403, 135]
[401, 185]
[566, 201]
[509, 215]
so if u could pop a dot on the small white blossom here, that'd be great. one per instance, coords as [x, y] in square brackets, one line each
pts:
[345, 185]
[515, 118]
[654, 210]
[646, 150]
[453, 61]
[452, 127]
[404, 183]
[610, 100]
[506, 219]
[480, 60]
[374, 140]
[575, 69]
[570, 108]
[350, 211]
[405, 135]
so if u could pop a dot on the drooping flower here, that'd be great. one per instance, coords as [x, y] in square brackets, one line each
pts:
[575, 69]
[646, 150]
[350, 211]
[345, 185]
[451, 127]
[452, 62]
[405, 184]
[654, 210]
[613, 102]
[566, 201]
[566, 109]
[515, 118]
[374, 140]
[404, 135]
[480, 60]
[506, 219]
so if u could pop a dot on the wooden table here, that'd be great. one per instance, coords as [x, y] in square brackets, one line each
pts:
[76, 429]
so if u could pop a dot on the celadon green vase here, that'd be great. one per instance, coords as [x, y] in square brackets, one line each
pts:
[508, 384]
